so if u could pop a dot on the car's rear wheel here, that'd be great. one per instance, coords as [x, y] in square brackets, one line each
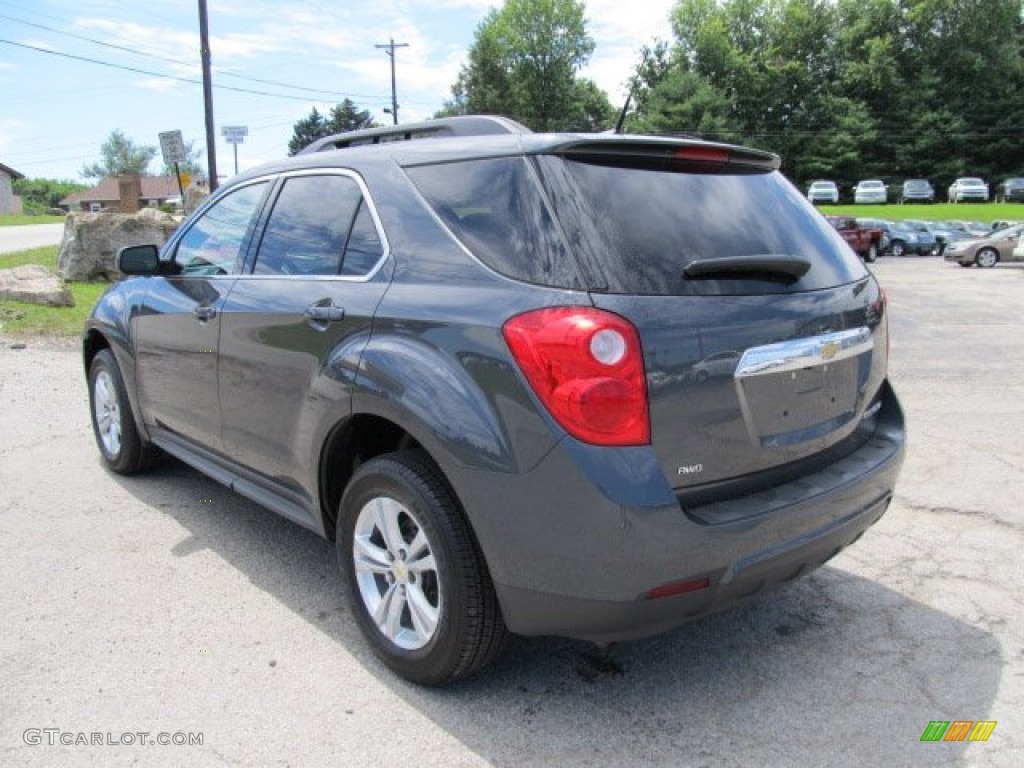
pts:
[113, 424]
[898, 248]
[987, 257]
[415, 576]
[872, 254]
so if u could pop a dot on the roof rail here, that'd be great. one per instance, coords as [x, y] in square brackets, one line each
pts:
[468, 125]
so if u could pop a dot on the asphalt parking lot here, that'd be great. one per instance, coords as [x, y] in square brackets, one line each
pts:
[167, 605]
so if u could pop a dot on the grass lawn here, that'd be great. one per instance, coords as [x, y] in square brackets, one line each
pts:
[987, 212]
[19, 319]
[18, 219]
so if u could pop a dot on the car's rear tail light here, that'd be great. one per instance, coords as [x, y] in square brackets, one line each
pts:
[586, 366]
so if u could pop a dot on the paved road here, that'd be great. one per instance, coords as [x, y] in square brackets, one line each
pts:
[29, 236]
[166, 603]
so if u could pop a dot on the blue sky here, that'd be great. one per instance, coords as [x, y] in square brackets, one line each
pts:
[55, 111]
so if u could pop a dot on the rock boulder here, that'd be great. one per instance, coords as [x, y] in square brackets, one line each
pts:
[91, 241]
[34, 284]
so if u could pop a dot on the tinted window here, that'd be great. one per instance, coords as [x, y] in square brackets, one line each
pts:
[214, 243]
[364, 248]
[309, 226]
[495, 208]
[632, 230]
[640, 228]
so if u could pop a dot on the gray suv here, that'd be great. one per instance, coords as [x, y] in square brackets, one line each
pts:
[476, 358]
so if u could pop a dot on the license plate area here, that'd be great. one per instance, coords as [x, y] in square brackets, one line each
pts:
[800, 390]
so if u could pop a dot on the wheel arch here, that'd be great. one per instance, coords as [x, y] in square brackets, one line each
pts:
[94, 341]
[349, 445]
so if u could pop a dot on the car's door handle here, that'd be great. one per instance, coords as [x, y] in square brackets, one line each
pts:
[325, 312]
[204, 313]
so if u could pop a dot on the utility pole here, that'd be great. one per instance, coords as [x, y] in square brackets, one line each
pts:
[211, 141]
[390, 47]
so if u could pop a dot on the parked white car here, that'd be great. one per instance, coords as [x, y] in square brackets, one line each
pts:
[870, 191]
[968, 190]
[823, 192]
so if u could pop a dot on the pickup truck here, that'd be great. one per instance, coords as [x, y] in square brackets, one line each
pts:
[867, 243]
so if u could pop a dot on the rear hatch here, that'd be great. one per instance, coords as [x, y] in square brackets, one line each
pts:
[763, 336]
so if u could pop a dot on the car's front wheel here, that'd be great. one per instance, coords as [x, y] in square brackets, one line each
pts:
[986, 257]
[121, 446]
[898, 248]
[872, 255]
[415, 576]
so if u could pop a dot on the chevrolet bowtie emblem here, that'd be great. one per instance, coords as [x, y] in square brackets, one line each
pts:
[829, 350]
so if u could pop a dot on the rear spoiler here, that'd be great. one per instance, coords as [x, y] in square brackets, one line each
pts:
[652, 152]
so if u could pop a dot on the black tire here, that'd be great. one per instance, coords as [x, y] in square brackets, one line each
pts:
[897, 248]
[468, 630]
[987, 257]
[113, 423]
[872, 254]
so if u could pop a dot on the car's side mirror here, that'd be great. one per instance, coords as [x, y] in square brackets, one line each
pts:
[139, 260]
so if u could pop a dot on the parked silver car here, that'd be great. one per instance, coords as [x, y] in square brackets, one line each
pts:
[870, 191]
[968, 189]
[917, 191]
[823, 192]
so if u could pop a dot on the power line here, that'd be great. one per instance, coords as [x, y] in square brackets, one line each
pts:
[220, 73]
[151, 73]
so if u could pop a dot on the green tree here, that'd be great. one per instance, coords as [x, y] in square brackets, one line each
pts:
[40, 195]
[306, 131]
[847, 89]
[524, 63]
[343, 117]
[120, 156]
[346, 116]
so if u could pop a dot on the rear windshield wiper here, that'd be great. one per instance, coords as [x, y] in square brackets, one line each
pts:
[772, 267]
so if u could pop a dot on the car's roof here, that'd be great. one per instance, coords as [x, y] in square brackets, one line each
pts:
[441, 149]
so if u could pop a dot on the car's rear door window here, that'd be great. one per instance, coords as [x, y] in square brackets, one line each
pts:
[309, 226]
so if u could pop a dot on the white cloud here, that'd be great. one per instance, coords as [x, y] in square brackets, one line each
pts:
[620, 31]
[37, 44]
[158, 84]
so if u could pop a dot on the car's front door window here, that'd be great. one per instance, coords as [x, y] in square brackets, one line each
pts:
[215, 243]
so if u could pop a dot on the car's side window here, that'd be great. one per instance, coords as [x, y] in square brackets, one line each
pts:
[364, 248]
[309, 226]
[213, 244]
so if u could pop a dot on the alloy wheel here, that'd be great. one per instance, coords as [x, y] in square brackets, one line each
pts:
[396, 573]
[108, 413]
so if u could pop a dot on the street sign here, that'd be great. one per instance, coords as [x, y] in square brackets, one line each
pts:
[173, 147]
[234, 134]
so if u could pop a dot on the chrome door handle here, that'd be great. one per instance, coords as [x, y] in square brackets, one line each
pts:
[204, 313]
[324, 313]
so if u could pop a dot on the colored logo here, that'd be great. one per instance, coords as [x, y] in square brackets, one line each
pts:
[958, 730]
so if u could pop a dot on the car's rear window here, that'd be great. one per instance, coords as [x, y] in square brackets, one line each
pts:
[623, 229]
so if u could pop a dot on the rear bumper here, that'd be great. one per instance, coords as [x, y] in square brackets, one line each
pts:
[574, 549]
